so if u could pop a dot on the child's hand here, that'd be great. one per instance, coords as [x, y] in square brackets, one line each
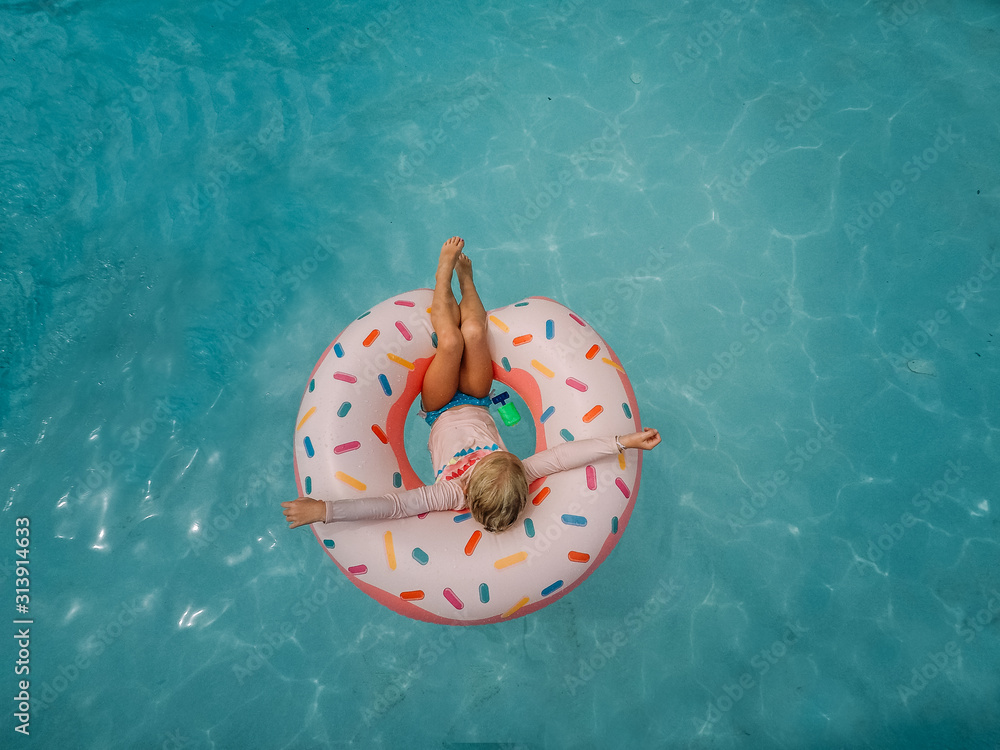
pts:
[646, 440]
[304, 510]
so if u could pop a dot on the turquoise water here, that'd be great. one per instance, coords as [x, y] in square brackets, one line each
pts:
[783, 216]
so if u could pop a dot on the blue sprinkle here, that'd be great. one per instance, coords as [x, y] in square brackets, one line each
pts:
[312, 385]
[529, 528]
[484, 593]
[614, 525]
[309, 485]
[462, 517]
[506, 364]
[628, 412]
[364, 315]
[520, 304]
[397, 479]
[344, 408]
[566, 435]
[420, 556]
[547, 413]
[553, 587]
[550, 329]
[329, 543]
[385, 384]
[309, 447]
[338, 350]
[434, 339]
[574, 520]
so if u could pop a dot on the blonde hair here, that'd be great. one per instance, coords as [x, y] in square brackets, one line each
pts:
[497, 490]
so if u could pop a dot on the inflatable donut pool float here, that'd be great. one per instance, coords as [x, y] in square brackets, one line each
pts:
[443, 567]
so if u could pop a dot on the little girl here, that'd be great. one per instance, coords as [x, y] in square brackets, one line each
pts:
[474, 468]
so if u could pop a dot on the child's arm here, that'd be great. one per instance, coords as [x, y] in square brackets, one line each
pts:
[439, 496]
[580, 452]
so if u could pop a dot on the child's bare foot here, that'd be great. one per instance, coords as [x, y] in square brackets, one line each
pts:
[450, 251]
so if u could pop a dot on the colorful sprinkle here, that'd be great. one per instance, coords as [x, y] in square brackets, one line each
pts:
[312, 385]
[338, 350]
[506, 562]
[628, 412]
[552, 587]
[499, 324]
[348, 479]
[420, 556]
[358, 570]
[623, 487]
[506, 364]
[518, 340]
[404, 330]
[592, 351]
[384, 382]
[329, 543]
[364, 315]
[542, 494]
[390, 552]
[574, 383]
[346, 377]
[542, 369]
[400, 361]
[547, 413]
[470, 546]
[614, 525]
[452, 599]
[617, 366]
[580, 557]
[571, 520]
[379, 434]
[520, 304]
[621, 461]
[434, 339]
[591, 415]
[484, 593]
[309, 485]
[347, 447]
[405, 303]
[550, 329]
[516, 607]
[578, 320]
[566, 435]
[370, 338]
[591, 478]
[529, 528]
[309, 413]
[462, 517]
[309, 446]
[412, 596]
[344, 408]
[397, 479]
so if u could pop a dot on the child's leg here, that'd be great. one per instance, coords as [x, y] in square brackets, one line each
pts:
[476, 373]
[441, 380]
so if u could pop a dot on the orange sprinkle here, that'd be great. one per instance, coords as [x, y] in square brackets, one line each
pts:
[371, 337]
[308, 414]
[390, 551]
[348, 479]
[522, 339]
[499, 324]
[592, 352]
[400, 361]
[516, 607]
[617, 366]
[379, 434]
[542, 369]
[575, 556]
[412, 596]
[591, 415]
[470, 546]
[506, 562]
[621, 461]
[542, 494]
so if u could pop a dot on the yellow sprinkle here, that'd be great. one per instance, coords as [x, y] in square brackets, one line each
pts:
[390, 551]
[400, 361]
[505, 562]
[516, 607]
[621, 461]
[500, 324]
[348, 479]
[613, 364]
[542, 369]
[308, 414]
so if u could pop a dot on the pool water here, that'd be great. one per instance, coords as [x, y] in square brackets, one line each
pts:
[782, 216]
